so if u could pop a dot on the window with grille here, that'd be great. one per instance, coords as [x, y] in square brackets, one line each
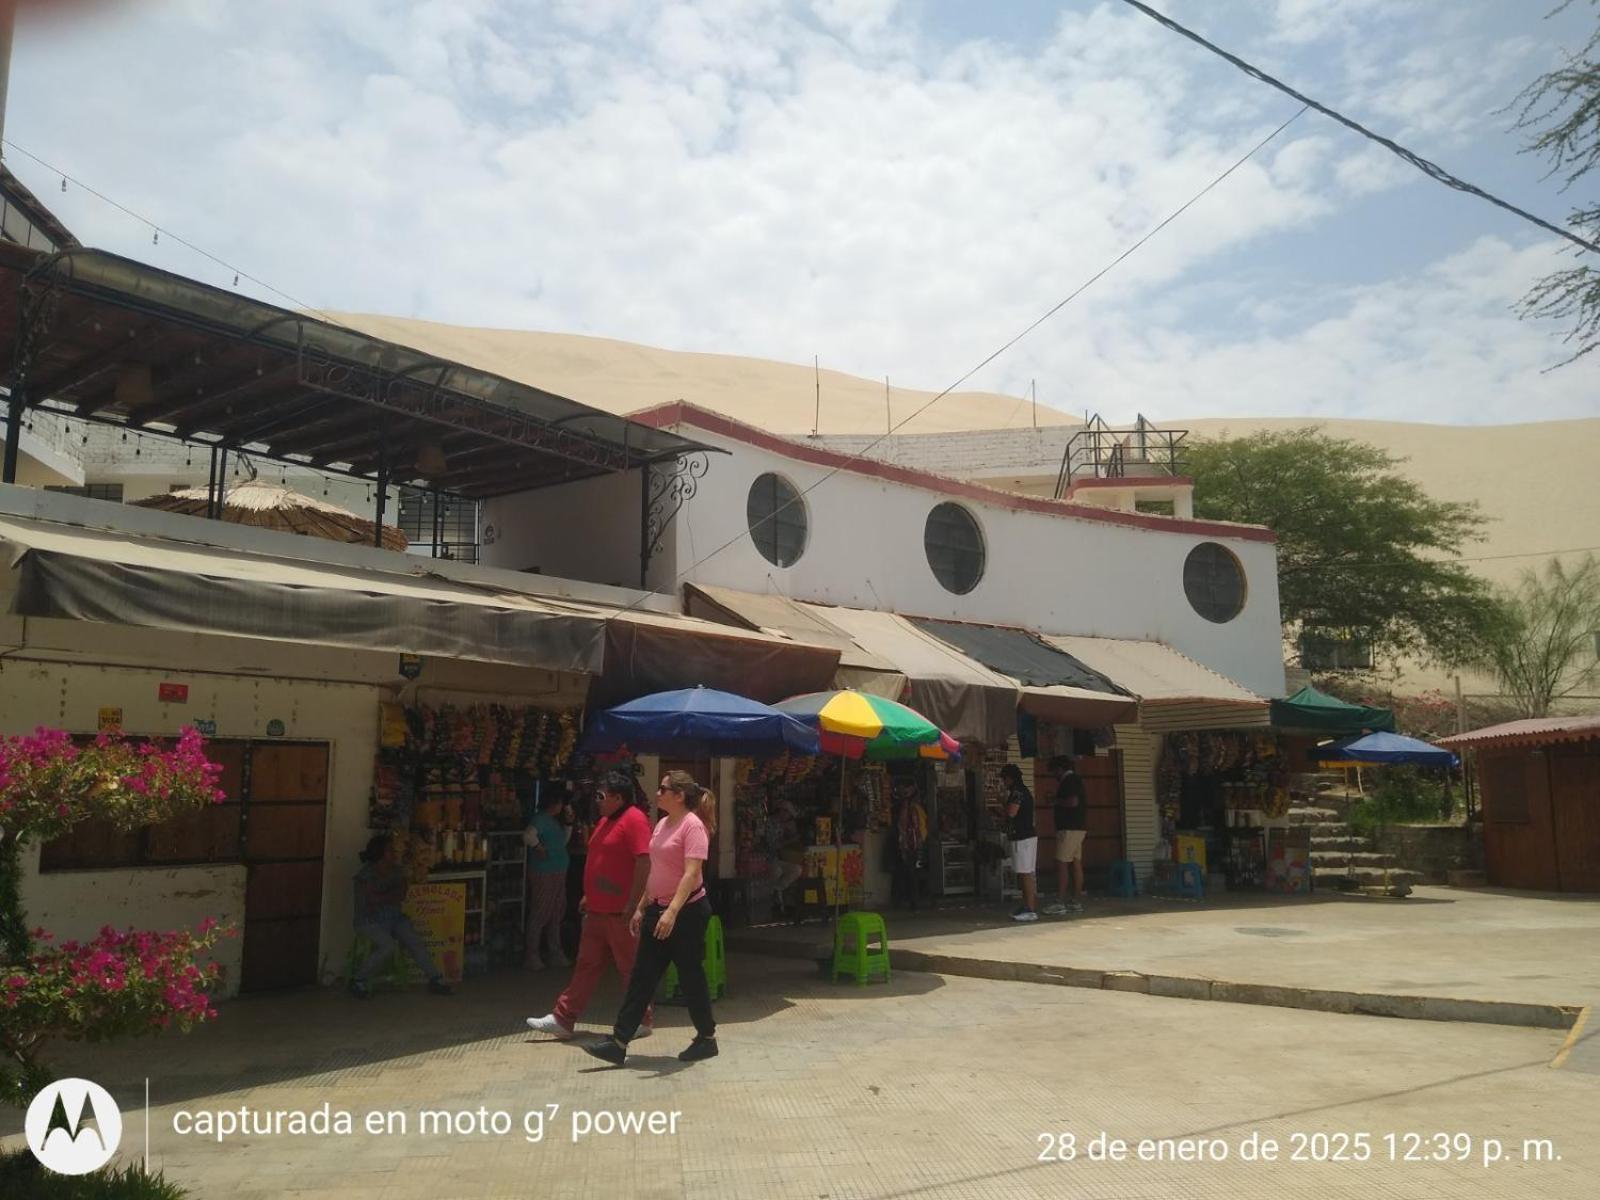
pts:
[776, 517]
[93, 491]
[954, 546]
[448, 525]
[1214, 583]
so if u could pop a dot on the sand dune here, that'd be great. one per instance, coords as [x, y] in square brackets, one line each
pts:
[1538, 483]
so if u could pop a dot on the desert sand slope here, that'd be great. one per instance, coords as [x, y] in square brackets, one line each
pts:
[1539, 483]
[622, 377]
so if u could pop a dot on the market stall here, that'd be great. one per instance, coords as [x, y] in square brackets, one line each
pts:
[1224, 802]
[457, 785]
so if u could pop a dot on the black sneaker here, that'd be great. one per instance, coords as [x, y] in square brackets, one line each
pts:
[361, 991]
[608, 1050]
[701, 1047]
[440, 988]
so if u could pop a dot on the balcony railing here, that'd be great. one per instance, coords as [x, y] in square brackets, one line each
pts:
[1103, 451]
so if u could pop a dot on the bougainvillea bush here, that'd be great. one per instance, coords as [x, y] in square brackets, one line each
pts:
[120, 983]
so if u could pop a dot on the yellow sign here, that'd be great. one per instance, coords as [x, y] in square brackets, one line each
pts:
[439, 911]
[110, 718]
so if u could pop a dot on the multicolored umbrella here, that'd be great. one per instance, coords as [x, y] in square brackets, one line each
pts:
[858, 725]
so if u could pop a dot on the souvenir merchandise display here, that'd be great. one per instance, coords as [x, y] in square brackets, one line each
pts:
[1217, 791]
[456, 785]
[787, 808]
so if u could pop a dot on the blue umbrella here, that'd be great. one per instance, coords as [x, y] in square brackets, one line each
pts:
[698, 721]
[1386, 749]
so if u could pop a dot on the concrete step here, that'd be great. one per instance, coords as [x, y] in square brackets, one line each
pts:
[1359, 858]
[1314, 816]
[1364, 876]
[1338, 841]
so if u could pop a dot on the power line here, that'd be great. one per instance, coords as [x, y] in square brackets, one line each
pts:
[865, 451]
[1391, 566]
[157, 230]
[1430, 169]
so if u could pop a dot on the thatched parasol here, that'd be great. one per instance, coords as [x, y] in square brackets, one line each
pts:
[273, 506]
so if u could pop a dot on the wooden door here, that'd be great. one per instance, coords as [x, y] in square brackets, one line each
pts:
[1575, 811]
[285, 817]
[1102, 785]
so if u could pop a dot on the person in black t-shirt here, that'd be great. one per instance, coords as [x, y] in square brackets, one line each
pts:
[1024, 840]
[1071, 810]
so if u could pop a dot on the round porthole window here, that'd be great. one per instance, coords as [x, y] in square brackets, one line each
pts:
[1213, 581]
[954, 545]
[776, 516]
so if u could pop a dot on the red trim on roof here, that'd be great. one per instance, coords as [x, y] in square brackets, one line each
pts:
[680, 413]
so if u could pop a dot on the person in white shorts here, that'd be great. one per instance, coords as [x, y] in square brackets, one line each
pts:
[1024, 841]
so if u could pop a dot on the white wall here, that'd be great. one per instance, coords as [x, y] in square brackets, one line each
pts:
[1044, 572]
[584, 530]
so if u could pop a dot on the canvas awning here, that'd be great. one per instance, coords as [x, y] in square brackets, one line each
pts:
[964, 698]
[75, 573]
[1052, 684]
[1317, 712]
[782, 617]
[1174, 691]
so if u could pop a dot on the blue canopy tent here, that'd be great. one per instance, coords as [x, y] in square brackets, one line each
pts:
[1384, 749]
[698, 721]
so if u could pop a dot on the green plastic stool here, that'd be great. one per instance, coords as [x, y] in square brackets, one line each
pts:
[716, 964]
[397, 973]
[860, 958]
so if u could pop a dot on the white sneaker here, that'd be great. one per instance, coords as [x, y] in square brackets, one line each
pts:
[643, 1031]
[1025, 915]
[1055, 910]
[549, 1024]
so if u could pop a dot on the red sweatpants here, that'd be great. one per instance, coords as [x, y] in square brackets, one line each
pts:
[605, 939]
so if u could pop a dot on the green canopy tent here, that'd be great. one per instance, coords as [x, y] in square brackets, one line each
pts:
[1311, 711]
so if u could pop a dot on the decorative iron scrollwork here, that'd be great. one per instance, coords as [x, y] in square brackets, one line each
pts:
[672, 484]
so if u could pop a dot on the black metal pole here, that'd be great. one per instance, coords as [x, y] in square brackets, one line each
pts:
[383, 491]
[14, 407]
[211, 486]
[644, 525]
[222, 483]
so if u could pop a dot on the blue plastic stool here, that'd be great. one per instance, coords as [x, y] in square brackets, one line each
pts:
[1191, 881]
[1124, 879]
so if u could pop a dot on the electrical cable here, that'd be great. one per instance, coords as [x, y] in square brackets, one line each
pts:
[1430, 169]
[238, 273]
[865, 451]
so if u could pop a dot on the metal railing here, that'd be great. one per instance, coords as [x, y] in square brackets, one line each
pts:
[1103, 451]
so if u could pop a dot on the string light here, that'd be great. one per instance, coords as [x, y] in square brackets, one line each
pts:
[63, 183]
[155, 236]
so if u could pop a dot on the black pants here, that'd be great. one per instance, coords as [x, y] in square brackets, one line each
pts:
[685, 949]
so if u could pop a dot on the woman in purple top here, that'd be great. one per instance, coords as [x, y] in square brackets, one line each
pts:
[670, 920]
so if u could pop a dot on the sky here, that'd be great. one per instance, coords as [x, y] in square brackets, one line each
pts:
[897, 187]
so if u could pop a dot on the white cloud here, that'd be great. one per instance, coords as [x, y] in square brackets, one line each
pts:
[748, 176]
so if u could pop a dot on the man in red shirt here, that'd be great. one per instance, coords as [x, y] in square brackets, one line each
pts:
[613, 880]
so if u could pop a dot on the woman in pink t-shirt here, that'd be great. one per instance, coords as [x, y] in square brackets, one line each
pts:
[671, 919]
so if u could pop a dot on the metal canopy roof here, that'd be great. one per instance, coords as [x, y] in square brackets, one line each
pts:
[98, 336]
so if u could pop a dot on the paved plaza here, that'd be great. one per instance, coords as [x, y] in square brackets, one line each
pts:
[929, 1087]
[1535, 950]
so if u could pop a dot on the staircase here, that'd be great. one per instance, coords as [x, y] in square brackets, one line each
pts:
[1340, 858]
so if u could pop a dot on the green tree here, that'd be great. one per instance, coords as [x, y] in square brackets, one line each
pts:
[1361, 549]
[1561, 112]
[1546, 647]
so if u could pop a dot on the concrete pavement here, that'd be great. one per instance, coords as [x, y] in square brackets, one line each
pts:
[1498, 956]
[927, 1087]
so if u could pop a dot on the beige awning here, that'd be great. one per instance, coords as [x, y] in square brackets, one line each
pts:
[964, 698]
[116, 577]
[1174, 691]
[779, 616]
